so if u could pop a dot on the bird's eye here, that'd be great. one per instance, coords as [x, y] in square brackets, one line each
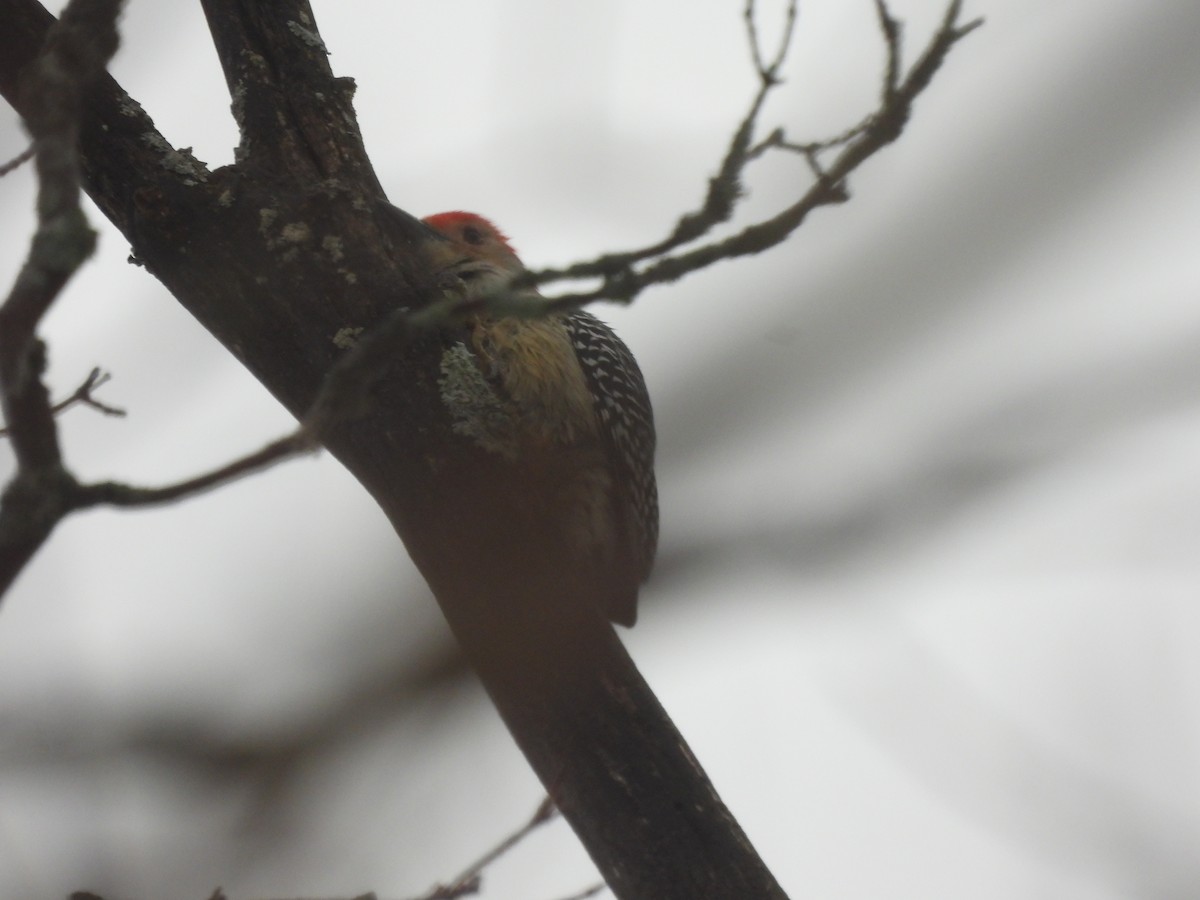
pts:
[472, 235]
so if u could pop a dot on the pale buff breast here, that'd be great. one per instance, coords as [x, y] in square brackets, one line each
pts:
[538, 371]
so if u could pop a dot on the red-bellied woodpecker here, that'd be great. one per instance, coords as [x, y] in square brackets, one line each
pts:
[562, 384]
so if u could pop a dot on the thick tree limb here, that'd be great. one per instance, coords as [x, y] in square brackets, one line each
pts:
[322, 138]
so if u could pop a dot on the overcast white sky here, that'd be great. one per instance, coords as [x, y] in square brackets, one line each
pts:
[927, 606]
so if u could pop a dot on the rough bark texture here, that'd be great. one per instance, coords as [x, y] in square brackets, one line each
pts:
[278, 254]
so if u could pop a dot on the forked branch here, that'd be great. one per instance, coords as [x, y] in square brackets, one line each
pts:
[625, 275]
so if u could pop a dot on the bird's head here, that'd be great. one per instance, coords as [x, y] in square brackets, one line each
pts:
[474, 250]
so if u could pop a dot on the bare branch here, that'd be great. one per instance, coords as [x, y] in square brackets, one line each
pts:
[588, 892]
[470, 879]
[769, 73]
[724, 189]
[77, 48]
[116, 494]
[84, 394]
[17, 161]
[752, 37]
[625, 275]
[891, 29]
[343, 397]
[80, 44]
[42, 492]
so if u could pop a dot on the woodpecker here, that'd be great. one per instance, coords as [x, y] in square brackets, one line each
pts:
[562, 388]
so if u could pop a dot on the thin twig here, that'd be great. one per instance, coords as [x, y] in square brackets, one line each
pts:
[769, 73]
[724, 191]
[115, 493]
[625, 275]
[891, 29]
[343, 396]
[469, 880]
[588, 892]
[84, 394]
[752, 38]
[17, 161]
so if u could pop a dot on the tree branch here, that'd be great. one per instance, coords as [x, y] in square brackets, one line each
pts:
[343, 398]
[323, 139]
[84, 394]
[769, 72]
[470, 879]
[112, 493]
[17, 161]
[625, 275]
[75, 52]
